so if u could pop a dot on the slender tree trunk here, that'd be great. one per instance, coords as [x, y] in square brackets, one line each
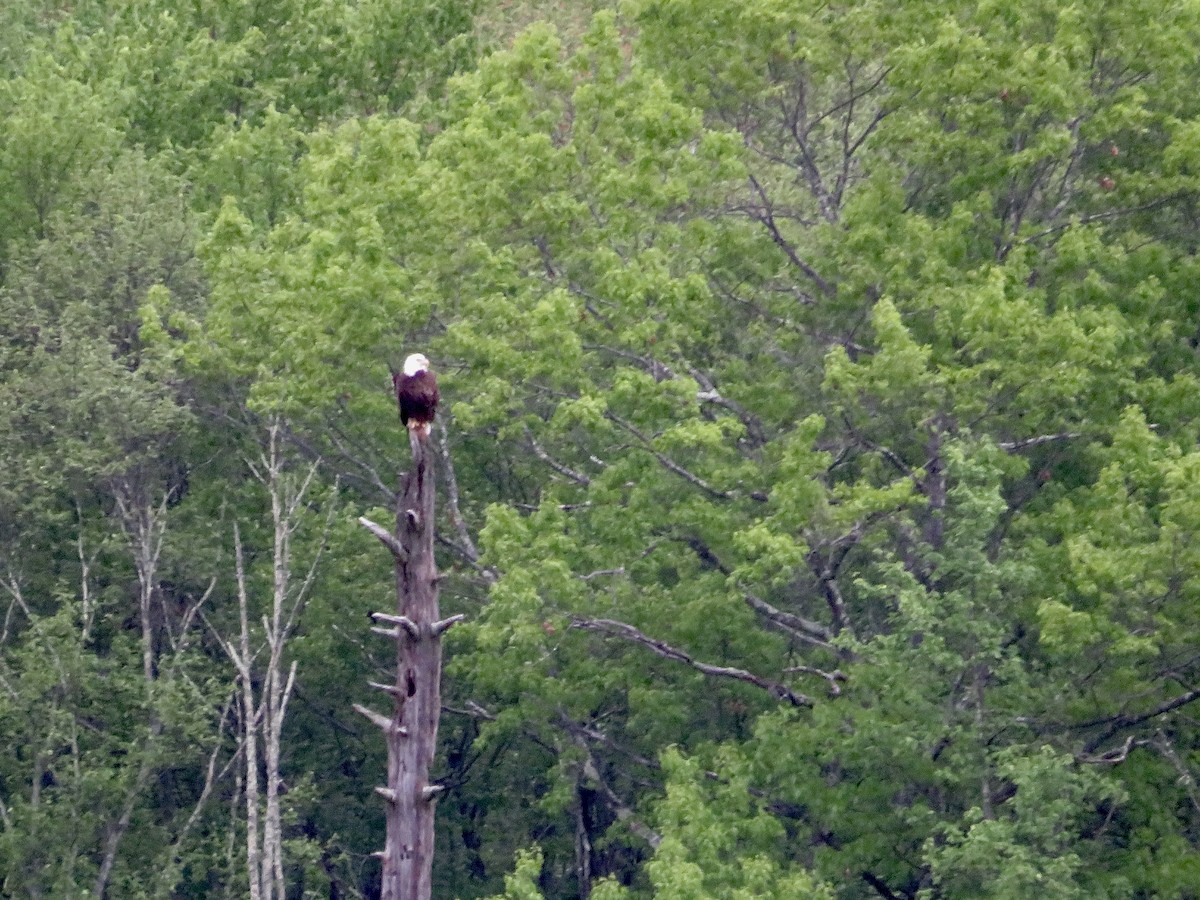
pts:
[411, 732]
[249, 724]
[274, 688]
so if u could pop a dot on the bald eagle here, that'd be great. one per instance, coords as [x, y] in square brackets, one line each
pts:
[417, 393]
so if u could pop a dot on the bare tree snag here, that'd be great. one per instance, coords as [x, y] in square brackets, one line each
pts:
[411, 732]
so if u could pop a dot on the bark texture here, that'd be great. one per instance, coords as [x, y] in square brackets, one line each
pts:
[411, 731]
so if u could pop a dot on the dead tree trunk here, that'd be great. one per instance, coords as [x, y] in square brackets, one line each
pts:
[411, 731]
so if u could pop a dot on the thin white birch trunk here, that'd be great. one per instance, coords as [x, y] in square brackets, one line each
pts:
[249, 723]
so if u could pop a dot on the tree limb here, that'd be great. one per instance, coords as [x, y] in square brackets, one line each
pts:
[833, 677]
[622, 810]
[577, 477]
[665, 650]
[797, 626]
[389, 540]
[766, 217]
[669, 463]
[1122, 722]
[600, 573]
[1026, 443]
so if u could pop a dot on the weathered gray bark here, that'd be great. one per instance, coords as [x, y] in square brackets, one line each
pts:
[411, 731]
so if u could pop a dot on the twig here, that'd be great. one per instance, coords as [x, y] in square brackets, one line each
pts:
[658, 370]
[1103, 216]
[340, 440]
[595, 734]
[1111, 757]
[708, 393]
[211, 778]
[472, 710]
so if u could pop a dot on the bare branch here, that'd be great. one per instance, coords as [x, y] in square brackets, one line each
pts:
[1111, 757]
[1163, 745]
[659, 371]
[389, 540]
[384, 723]
[118, 830]
[766, 216]
[1122, 722]
[1103, 216]
[301, 594]
[13, 586]
[489, 573]
[797, 626]
[85, 565]
[211, 778]
[386, 688]
[577, 477]
[599, 573]
[620, 808]
[880, 886]
[340, 442]
[669, 463]
[598, 736]
[1026, 443]
[286, 695]
[827, 578]
[849, 151]
[827, 565]
[808, 163]
[441, 626]
[473, 710]
[708, 393]
[404, 622]
[833, 677]
[702, 550]
[628, 632]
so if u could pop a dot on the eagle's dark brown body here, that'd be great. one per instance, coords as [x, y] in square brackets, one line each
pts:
[416, 393]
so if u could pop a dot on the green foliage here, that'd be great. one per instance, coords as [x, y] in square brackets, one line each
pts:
[1033, 846]
[716, 843]
[57, 130]
[820, 386]
[522, 883]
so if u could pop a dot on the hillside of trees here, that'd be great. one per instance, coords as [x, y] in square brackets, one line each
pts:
[817, 454]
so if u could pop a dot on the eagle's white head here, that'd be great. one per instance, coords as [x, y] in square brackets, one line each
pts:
[415, 363]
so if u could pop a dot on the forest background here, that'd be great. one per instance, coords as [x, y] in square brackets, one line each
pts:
[818, 449]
